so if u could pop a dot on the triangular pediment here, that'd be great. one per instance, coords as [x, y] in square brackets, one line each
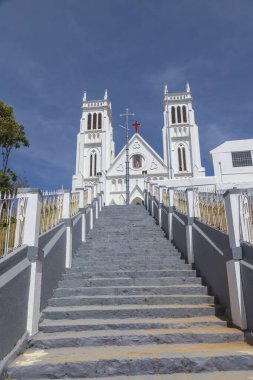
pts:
[148, 159]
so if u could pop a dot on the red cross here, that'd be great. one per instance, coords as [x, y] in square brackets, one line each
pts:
[136, 126]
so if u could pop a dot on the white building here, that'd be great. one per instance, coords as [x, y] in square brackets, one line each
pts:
[95, 156]
[233, 161]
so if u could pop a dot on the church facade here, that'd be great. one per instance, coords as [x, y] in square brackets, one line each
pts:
[95, 155]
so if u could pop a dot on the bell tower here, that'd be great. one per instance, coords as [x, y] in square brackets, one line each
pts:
[180, 135]
[95, 146]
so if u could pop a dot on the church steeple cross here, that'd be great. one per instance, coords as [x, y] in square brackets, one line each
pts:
[136, 126]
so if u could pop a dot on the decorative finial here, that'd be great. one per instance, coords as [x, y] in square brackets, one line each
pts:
[106, 95]
[165, 89]
[84, 96]
[188, 87]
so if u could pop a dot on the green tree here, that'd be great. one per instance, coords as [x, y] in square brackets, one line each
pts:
[12, 136]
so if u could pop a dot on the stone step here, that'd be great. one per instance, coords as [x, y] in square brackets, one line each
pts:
[105, 361]
[130, 274]
[130, 311]
[209, 334]
[129, 281]
[52, 325]
[221, 375]
[131, 290]
[131, 300]
[129, 267]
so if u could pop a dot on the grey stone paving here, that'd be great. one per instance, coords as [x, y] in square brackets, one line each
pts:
[131, 308]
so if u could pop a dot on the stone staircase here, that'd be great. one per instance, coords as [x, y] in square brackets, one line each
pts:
[131, 308]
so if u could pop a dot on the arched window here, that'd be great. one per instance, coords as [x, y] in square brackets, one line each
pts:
[181, 158]
[99, 121]
[89, 121]
[94, 121]
[120, 183]
[179, 120]
[173, 115]
[93, 164]
[184, 115]
[184, 159]
[180, 168]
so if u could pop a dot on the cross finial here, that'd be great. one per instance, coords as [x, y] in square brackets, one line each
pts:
[106, 95]
[136, 126]
[84, 96]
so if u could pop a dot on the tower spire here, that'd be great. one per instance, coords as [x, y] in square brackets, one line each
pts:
[84, 96]
[165, 89]
[106, 95]
[188, 87]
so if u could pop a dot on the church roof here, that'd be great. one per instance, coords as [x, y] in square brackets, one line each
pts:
[139, 149]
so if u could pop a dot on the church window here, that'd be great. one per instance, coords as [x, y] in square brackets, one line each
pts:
[240, 159]
[184, 115]
[93, 164]
[179, 114]
[99, 121]
[137, 161]
[94, 121]
[89, 121]
[181, 158]
[173, 115]
[120, 185]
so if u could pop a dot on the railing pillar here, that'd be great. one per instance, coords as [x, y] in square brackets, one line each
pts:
[69, 226]
[232, 207]
[170, 213]
[145, 198]
[91, 216]
[35, 256]
[82, 209]
[190, 219]
[160, 206]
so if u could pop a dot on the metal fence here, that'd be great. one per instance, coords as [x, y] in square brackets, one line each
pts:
[180, 202]
[165, 198]
[246, 216]
[74, 203]
[210, 209]
[12, 219]
[51, 211]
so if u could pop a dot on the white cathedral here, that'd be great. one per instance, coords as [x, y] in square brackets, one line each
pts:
[96, 161]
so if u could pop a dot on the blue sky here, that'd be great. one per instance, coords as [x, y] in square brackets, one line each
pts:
[53, 50]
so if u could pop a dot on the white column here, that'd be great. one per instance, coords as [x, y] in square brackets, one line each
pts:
[82, 209]
[170, 213]
[190, 216]
[35, 256]
[68, 223]
[232, 207]
[160, 206]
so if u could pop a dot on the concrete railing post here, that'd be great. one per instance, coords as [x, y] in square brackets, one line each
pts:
[190, 219]
[160, 206]
[69, 225]
[145, 198]
[170, 213]
[35, 256]
[82, 209]
[232, 207]
[152, 200]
